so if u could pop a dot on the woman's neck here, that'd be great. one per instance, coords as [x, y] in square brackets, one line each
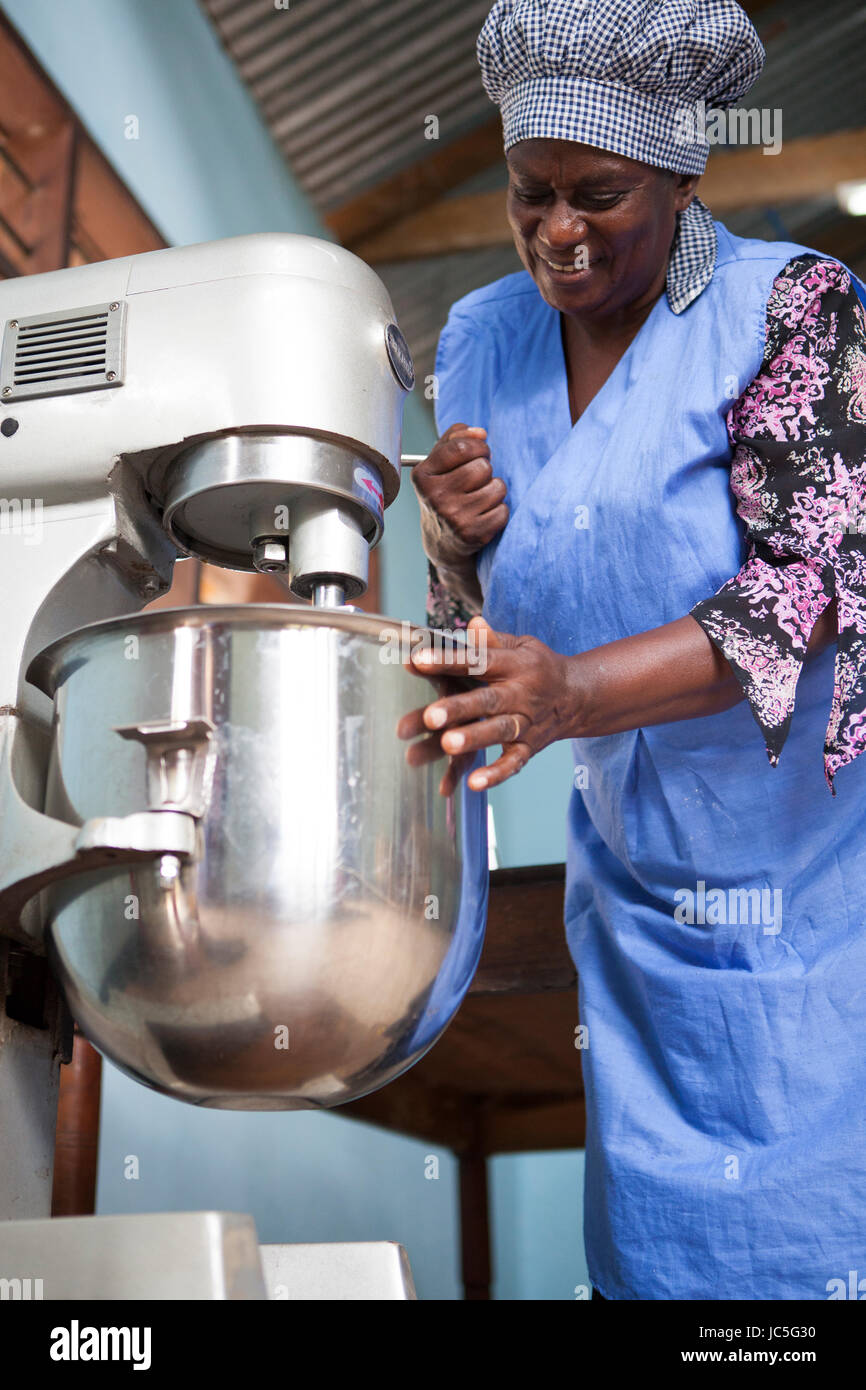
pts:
[603, 332]
[593, 347]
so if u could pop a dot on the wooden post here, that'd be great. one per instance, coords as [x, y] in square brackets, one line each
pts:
[76, 1150]
[474, 1226]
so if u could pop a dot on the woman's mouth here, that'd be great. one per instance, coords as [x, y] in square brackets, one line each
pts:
[571, 269]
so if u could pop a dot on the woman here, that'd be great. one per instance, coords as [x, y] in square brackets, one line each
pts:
[651, 468]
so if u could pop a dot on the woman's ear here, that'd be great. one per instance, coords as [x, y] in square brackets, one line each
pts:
[686, 186]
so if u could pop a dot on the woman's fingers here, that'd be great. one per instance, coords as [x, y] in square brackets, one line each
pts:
[457, 483]
[453, 742]
[429, 750]
[489, 493]
[491, 523]
[481, 703]
[502, 711]
[462, 743]
[484, 733]
[454, 452]
[412, 724]
[480, 659]
[463, 478]
[476, 431]
[424, 751]
[508, 765]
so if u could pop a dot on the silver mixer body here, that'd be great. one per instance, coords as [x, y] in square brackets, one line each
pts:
[208, 824]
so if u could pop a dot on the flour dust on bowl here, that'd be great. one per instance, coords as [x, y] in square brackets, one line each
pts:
[329, 924]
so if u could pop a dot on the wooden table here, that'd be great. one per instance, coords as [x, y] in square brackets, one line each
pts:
[505, 1077]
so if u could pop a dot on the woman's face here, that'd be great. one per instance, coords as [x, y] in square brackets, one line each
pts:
[593, 229]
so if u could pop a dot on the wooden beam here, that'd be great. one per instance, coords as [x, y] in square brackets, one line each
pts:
[453, 224]
[419, 185]
[407, 1105]
[843, 238]
[531, 1128]
[37, 136]
[61, 202]
[107, 220]
[746, 178]
[473, 1124]
[803, 169]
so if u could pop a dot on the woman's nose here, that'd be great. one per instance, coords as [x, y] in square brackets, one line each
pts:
[562, 228]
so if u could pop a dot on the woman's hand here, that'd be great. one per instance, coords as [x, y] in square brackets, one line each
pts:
[529, 700]
[456, 483]
[532, 696]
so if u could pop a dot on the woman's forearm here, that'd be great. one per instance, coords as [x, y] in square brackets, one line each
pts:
[455, 563]
[673, 672]
[461, 582]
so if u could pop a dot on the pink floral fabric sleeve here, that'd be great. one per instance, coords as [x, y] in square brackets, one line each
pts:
[443, 609]
[799, 476]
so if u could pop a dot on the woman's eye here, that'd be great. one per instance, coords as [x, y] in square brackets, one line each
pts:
[597, 202]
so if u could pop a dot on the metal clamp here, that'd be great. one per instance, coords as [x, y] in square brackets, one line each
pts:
[38, 849]
[181, 758]
[67, 850]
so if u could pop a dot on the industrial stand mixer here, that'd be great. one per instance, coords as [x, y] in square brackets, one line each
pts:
[210, 836]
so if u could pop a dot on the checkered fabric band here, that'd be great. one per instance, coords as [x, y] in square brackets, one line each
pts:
[654, 129]
[693, 256]
[622, 75]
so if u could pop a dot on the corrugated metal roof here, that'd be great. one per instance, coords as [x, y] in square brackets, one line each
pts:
[814, 71]
[346, 85]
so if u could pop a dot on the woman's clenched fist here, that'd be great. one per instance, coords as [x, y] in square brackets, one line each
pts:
[456, 483]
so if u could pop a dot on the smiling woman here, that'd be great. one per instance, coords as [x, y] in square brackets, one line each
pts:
[651, 439]
[594, 231]
[565, 198]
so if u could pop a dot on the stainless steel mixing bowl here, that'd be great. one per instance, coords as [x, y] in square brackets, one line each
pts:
[334, 918]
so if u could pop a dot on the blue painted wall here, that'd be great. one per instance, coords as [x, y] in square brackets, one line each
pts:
[538, 1240]
[303, 1177]
[204, 167]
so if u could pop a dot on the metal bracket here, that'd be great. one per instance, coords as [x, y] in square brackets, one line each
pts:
[38, 849]
[181, 758]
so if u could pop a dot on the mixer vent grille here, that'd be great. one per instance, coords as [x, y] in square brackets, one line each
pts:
[54, 354]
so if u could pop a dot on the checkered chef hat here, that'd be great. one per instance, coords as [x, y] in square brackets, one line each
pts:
[618, 74]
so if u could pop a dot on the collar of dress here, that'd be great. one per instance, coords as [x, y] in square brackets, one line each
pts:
[693, 256]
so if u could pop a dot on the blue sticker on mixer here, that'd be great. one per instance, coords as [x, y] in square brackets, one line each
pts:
[368, 486]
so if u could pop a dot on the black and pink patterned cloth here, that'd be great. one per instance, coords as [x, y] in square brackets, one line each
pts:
[799, 476]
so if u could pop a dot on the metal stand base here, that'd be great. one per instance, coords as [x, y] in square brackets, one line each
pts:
[363, 1270]
[188, 1255]
[179, 1255]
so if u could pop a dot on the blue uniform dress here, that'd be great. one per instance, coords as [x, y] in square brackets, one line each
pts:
[715, 903]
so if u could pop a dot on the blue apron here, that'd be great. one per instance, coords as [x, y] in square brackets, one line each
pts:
[715, 905]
